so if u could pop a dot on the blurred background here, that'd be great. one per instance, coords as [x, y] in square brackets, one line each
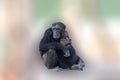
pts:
[93, 26]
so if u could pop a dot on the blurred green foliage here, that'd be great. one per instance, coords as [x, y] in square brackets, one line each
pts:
[46, 9]
[2, 49]
[110, 8]
[50, 9]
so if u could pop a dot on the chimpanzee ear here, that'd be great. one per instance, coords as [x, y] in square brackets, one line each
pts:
[48, 34]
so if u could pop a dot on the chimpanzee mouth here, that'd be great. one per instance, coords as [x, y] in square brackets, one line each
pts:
[56, 38]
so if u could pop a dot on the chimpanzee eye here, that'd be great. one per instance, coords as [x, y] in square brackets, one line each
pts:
[57, 29]
[54, 29]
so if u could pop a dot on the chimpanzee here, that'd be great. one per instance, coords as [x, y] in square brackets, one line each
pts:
[56, 49]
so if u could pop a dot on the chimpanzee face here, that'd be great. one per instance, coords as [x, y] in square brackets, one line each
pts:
[57, 31]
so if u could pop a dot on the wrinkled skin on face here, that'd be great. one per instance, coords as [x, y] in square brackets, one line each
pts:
[57, 31]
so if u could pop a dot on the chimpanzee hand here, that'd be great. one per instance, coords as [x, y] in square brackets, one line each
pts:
[67, 54]
[65, 42]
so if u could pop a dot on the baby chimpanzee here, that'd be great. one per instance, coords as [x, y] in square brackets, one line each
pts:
[73, 61]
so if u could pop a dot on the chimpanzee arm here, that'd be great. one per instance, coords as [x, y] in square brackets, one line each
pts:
[52, 45]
